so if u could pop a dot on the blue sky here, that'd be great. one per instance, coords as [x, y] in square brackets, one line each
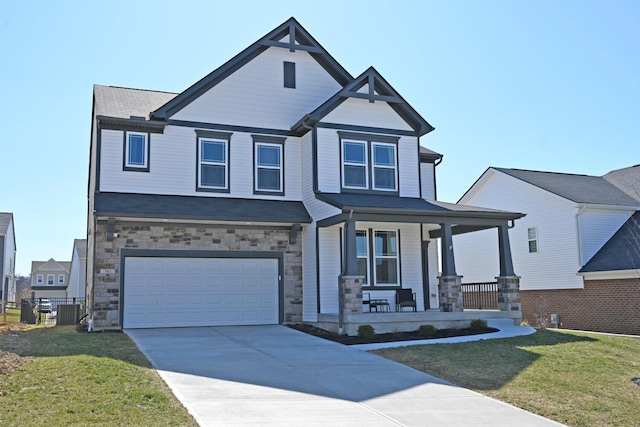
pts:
[546, 85]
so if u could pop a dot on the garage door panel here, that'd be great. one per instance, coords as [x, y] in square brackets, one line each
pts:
[164, 292]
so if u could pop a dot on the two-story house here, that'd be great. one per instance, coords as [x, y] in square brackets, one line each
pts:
[7, 260]
[78, 270]
[278, 188]
[49, 279]
[577, 250]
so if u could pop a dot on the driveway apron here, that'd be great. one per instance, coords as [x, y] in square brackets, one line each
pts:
[274, 375]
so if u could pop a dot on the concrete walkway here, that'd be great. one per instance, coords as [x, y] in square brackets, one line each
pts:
[274, 375]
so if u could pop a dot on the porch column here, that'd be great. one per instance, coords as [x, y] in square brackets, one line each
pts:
[506, 263]
[350, 249]
[349, 282]
[449, 284]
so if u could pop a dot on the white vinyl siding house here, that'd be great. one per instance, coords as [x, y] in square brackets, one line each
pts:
[7, 260]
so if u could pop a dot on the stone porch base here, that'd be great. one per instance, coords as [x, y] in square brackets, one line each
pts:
[410, 321]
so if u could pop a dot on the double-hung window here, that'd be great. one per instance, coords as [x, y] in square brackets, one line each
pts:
[369, 162]
[532, 235]
[39, 279]
[50, 279]
[268, 164]
[213, 161]
[136, 151]
[378, 257]
[60, 279]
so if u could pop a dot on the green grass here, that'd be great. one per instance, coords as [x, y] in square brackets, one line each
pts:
[579, 379]
[13, 315]
[93, 379]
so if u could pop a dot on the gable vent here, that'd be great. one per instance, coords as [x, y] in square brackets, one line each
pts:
[290, 74]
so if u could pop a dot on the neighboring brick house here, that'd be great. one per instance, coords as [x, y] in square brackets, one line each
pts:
[577, 250]
[7, 260]
[49, 279]
[275, 189]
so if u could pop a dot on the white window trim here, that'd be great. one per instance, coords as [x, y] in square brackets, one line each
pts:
[535, 239]
[61, 282]
[201, 162]
[145, 164]
[366, 257]
[396, 257]
[256, 166]
[365, 165]
[53, 279]
[394, 168]
[39, 279]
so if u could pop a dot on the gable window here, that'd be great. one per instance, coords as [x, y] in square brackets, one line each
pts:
[40, 279]
[268, 164]
[50, 279]
[290, 75]
[213, 161]
[532, 234]
[60, 279]
[369, 162]
[378, 257]
[136, 151]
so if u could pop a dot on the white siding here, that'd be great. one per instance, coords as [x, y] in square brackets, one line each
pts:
[77, 276]
[408, 165]
[361, 112]
[556, 263]
[9, 264]
[328, 154]
[329, 257]
[597, 226]
[427, 174]
[255, 94]
[172, 166]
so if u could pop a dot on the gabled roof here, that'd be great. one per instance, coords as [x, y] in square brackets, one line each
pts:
[577, 188]
[5, 220]
[622, 250]
[627, 180]
[290, 35]
[81, 246]
[50, 265]
[378, 90]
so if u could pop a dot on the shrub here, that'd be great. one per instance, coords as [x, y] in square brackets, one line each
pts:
[477, 325]
[366, 331]
[427, 330]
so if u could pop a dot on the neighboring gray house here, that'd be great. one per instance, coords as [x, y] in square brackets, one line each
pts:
[49, 279]
[7, 260]
[577, 249]
[78, 270]
[278, 188]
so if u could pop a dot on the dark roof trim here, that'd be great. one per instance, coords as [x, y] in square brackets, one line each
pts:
[428, 156]
[304, 42]
[229, 128]
[479, 222]
[200, 208]
[118, 123]
[379, 90]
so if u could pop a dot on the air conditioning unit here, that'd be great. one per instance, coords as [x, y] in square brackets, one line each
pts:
[555, 320]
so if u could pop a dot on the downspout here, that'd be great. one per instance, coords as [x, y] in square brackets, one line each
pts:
[581, 208]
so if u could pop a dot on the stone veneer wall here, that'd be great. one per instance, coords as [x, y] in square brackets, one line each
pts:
[603, 305]
[106, 287]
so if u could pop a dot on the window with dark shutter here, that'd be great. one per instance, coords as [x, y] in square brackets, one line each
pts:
[290, 75]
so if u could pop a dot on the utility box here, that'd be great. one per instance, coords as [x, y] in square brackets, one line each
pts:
[68, 314]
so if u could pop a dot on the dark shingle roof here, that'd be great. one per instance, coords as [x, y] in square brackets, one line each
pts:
[577, 188]
[621, 252]
[203, 208]
[125, 102]
[627, 180]
[5, 219]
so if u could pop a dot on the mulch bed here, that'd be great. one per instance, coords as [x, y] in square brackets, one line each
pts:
[390, 337]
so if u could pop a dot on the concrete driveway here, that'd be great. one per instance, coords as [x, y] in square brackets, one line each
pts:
[273, 375]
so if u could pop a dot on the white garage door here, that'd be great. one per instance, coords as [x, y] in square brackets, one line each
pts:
[166, 292]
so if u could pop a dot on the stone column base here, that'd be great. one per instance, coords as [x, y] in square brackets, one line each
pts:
[450, 290]
[509, 293]
[351, 288]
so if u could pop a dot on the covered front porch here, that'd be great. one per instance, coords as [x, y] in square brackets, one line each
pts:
[438, 290]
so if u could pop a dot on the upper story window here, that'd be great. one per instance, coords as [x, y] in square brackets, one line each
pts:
[40, 279]
[50, 279]
[268, 165]
[136, 151]
[60, 279]
[213, 161]
[369, 162]
[532, 235]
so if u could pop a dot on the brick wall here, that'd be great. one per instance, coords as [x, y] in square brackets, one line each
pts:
[106, 290]
[603, 305]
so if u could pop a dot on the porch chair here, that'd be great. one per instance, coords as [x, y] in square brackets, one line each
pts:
[405, 298]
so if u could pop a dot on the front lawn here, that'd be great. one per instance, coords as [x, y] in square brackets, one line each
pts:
[579, 379]
[69, 378]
